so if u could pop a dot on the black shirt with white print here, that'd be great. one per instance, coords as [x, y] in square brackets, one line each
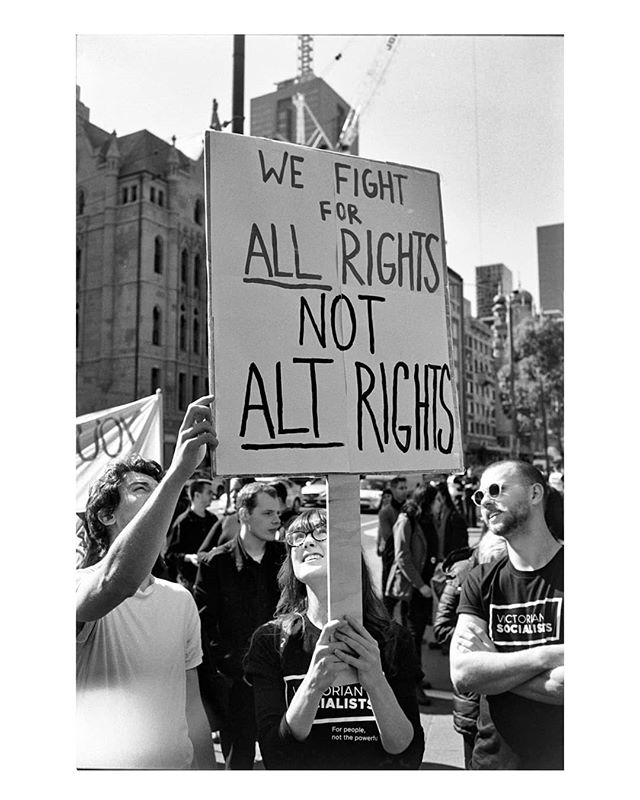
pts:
[522, 609]
[344, 734]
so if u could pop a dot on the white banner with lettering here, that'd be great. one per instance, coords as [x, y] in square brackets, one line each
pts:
[114, 433]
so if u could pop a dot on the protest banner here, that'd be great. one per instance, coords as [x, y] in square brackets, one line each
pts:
[329, 343]
[115, 433]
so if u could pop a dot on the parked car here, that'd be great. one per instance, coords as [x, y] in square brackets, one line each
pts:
[371, 488]
[314, 492]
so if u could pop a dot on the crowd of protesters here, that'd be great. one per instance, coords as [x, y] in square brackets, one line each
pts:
[194, 627]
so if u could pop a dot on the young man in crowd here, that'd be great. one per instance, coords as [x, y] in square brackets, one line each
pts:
[188, 533]
[236, 591]
[387, 517]
[137, 637]
[508, 645]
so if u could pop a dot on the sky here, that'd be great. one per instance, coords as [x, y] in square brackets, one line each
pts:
[485, 112]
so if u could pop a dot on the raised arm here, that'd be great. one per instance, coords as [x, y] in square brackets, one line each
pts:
[396, 730]
[476, 666]
[133, 553]
[324, 668]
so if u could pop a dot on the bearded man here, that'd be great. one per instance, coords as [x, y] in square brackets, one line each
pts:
[508, 644]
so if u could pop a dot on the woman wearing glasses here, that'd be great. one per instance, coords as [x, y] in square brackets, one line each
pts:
[331, 694]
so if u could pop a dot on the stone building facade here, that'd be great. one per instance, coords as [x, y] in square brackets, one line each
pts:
[141, 299]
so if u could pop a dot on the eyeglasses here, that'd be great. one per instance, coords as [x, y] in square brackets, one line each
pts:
[296, 538]
[493, 490]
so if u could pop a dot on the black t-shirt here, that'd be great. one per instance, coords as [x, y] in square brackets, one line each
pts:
[344, 734]
[522, 609]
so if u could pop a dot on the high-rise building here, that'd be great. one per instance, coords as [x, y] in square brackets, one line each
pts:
[480, 441]
[490, 279]
[305, 110]
[551, 268]
[457, 338]
[141, 299]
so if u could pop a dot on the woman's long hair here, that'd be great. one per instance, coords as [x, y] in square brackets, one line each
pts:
[292, 605]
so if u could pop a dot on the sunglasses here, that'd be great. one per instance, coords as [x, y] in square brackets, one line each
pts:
[296, 538]
[493, 490]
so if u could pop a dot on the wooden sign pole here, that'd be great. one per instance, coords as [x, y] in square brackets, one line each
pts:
[344, 589]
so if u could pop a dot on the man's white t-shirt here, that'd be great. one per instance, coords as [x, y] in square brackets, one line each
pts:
[131, 681]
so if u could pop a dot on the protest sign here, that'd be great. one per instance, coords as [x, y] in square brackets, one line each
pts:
[328, 324]
[115, 433]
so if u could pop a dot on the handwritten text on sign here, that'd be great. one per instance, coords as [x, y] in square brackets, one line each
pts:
[329, 313]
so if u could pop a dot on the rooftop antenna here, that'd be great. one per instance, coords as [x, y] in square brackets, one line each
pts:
[305, 57]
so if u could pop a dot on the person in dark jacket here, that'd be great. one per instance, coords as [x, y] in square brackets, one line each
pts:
[188, 533]
[451, 534]
[414, 559]
[456, 566]
[387, 516]
[236, 591]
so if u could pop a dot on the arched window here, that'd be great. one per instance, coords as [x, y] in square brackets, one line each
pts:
[183, 330]
[184, 266]
[80, 201]
[198, 212]
[158, 255]
[196, 334]
[156, 337]
[197, 270]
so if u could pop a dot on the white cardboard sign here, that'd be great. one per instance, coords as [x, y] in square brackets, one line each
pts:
[328, 320]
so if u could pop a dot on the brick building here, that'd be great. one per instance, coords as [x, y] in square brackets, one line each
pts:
[141, 300]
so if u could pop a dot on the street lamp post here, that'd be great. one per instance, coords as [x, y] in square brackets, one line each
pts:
[503, 324]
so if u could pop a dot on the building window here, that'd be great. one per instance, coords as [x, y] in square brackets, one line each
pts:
[197, 271]
[196, 335]
[195, 387]
[184, 266]
[155, 379]
[183, 330]
[152, 194]
[78, 263]
[198, 212]
[125, 195]
[80, 200]
[134, 193]
[77, 325]
[182, 391]
[157, 326]
[160, 197]
[158, 255]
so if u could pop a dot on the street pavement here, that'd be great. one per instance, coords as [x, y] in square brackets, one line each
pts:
[443, 746]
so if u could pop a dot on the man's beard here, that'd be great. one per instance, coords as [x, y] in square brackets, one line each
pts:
[509, 521]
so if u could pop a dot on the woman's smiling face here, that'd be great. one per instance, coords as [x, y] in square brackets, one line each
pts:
[309, 559]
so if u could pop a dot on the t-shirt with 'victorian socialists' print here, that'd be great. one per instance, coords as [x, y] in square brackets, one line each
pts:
[344, 734]
[522, 609]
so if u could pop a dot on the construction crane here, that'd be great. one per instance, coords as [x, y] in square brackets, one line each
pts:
[318, 136]
[373, 78]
